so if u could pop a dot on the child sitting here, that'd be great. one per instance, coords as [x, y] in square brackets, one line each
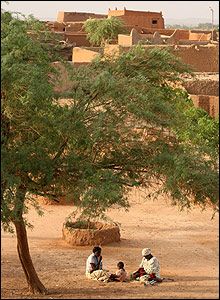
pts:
[120, 275]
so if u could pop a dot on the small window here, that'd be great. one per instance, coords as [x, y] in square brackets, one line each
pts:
[154, 21]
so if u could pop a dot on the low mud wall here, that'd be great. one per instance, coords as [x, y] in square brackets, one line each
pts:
[209, 103]
[202, 87]
[104, 234]
[78, 39]
[200, 58]
[82, 55]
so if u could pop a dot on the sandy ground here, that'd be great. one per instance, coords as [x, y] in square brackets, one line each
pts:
[186, 244]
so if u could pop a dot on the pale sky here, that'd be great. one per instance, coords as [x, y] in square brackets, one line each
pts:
[47, 10]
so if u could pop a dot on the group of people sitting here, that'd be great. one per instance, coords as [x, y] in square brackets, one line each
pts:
[148, 271]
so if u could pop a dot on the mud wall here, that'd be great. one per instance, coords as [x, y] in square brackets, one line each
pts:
[74, 26]
[139, 18]
[200, 36]
[206, 32]
[124, 40]
[115, 49]
[77, 16]
[200, 58]
[180, 34]
[202, 87]
[129, 40]
[78, 39]
[56, 26]
[81, 55]
[209, 103]
[104, 234]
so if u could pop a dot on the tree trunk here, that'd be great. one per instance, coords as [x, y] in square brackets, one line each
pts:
[34, 283]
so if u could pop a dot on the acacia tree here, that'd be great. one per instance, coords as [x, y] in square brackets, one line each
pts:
[139, 129]
[27, 113]
[126, 125]
[100, 31]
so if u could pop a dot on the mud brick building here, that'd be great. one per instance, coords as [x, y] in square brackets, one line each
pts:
[64, 17]
[144, 19]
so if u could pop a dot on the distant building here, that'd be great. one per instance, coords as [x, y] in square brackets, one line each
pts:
[64, 16]
[144, 19]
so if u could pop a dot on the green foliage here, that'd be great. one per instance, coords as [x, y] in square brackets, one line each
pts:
[100, 31]
[127, 126]
[80, 224]
[26, 106]
[137, 90]
[201, 130]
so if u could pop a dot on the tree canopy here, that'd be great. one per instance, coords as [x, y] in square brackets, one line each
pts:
[100, 31]
[147, 130]
[127, 125]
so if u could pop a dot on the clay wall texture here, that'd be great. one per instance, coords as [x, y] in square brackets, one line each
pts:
[189, 34]
[78, 39]
[56, 26]
[200, 36]
[209, 103]
[181, 37]
[215, 34]
[74, 26]
[81, 55]
[104, 234]
[77, 16]
[181, 34]
[200, 58]
[164, 31]
[139, 18]
[125, 40]
[202, 87]
[129, 40]
[115, 49]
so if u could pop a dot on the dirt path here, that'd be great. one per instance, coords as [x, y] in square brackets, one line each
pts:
[186, 245]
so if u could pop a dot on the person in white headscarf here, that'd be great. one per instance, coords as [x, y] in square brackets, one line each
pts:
[149, 268]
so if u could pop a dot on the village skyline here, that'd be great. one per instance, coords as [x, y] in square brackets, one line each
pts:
[181, 12]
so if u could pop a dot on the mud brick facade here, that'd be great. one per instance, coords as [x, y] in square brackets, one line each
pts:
[77, 16]
[144, 19]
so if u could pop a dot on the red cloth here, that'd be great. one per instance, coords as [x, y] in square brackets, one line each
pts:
[140, 272]
[152, 276]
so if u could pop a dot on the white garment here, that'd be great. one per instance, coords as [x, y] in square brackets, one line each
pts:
[101, 275]
[92, 259]
[151, 266]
